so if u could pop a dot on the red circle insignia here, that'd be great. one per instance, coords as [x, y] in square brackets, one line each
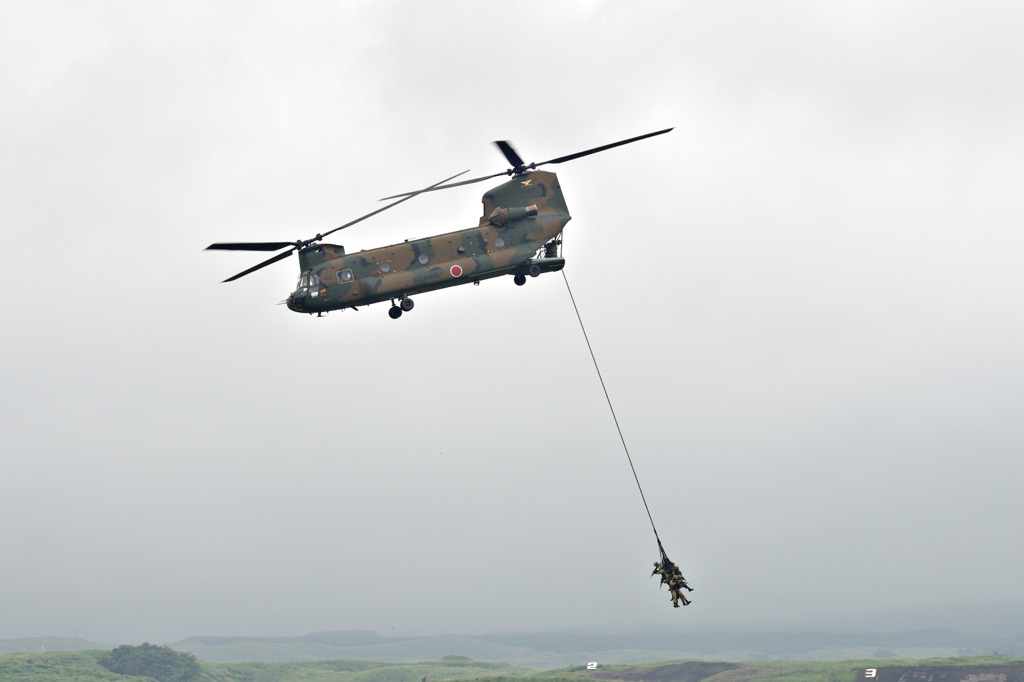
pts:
[456, 270]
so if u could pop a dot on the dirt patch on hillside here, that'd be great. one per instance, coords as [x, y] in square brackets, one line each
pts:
[967, 673]
[691, 671]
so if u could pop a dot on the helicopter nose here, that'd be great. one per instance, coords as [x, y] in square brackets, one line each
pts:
[297, 301]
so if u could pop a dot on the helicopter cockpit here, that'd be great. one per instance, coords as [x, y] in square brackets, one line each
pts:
[307, 280]
[305, 288]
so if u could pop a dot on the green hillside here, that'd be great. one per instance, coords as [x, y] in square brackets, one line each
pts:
[84, 666]
[81, 666]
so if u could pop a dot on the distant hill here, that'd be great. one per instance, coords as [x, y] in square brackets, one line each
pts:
[32, 644]
[558, 650]
[338, 638]
[327, 646]
[555, 650]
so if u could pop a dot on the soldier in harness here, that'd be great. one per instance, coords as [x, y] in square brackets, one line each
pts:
[671, 576]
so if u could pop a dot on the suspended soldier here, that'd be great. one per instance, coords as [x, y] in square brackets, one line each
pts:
[673, 577]
[660, 570]
[675, 589]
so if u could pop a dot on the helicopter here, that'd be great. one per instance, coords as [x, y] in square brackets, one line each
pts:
[519, 234]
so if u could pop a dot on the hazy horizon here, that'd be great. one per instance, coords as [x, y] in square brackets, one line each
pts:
[971, 620]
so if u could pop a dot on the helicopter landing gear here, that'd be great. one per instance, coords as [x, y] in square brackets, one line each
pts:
[533, 271]
[404, 305]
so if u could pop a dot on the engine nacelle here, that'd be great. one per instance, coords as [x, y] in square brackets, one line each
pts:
[504, 216]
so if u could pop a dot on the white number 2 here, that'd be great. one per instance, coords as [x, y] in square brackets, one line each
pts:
[592, 665]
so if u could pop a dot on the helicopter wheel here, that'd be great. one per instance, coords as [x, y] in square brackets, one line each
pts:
[395, 312]
[520, 280]
[407, 304]
[534, 270]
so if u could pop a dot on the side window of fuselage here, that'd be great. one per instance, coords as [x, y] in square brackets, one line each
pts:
[345, 276]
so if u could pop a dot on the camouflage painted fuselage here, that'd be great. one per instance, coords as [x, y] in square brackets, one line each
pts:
[519, 218]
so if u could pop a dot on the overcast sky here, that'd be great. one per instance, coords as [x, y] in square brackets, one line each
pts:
[806, 301]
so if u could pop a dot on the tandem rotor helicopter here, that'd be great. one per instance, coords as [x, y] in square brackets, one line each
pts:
[519, 235]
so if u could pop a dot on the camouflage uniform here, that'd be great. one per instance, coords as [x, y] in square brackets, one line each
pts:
[660, 570]
[671, 576]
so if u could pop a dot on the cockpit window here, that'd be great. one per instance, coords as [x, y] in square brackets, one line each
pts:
[307, 279]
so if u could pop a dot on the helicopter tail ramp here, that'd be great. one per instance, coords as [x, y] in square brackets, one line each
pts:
[536, 188]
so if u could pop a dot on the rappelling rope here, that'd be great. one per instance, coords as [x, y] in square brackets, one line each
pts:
[666, 563]
[614, 418]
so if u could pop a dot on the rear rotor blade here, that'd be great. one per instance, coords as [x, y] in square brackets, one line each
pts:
[510, 154]
[519, 166]
[602, 148]
[249, 246]
[280, 256]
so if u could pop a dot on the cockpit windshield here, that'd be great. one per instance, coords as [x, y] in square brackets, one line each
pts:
[307, 280]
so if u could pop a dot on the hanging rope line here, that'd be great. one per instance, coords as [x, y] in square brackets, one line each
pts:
[612, 409]
[670, 574]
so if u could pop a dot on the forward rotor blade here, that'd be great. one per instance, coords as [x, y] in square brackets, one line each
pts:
[274, 246]
[602, 148]
[249, 246]
[453, 184]
[405, 197]
[510, 153]
[280, 256]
